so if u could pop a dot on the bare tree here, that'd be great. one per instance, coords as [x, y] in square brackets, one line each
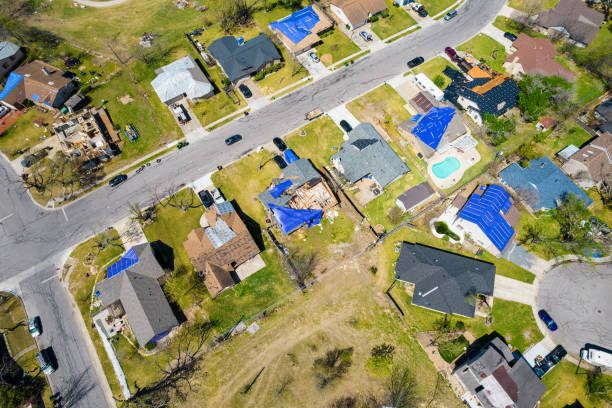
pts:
[303, 266]
[183, 201]
[604, 189]
[333, 365]
[230, 13]
[401, 388]
[106, 240]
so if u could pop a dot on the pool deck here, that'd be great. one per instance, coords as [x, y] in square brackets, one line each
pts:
[466, 161]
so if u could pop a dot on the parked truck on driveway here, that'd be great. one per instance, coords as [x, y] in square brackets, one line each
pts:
[313, 114]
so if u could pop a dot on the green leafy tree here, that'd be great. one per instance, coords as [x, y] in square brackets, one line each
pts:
[539, 94]
[498, 128]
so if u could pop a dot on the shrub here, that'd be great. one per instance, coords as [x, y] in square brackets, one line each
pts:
[149, 346]
[226, 81]
[373, 19]
[327, 33]
[438, 81]
[528, 151]
[259, 76]
[384, 13]
[333, 365]
[395, 215]
[373, 270]
[442, 228]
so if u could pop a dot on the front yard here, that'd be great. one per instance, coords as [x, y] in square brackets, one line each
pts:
[433, 69]
[434, 7]
[318, 141]
[336, 46]
[486, 48]
[525, 5]
[397, 21]
[22, 134]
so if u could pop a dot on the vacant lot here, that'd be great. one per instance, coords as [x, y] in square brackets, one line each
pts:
[318, 141]
[396, 21]
[302, 330]
[433, 69]
[486, 48]
[564, 387]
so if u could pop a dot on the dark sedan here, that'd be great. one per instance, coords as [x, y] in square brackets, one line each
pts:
[548, 320]
[245, 91]
[118, 179]
[280, 161]
[346, 126]
[233, 139]
[278, 142]
[510, 36]
[206, 198]
[416, 61]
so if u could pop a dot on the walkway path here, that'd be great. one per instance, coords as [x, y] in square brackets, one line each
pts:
[100, 4]
[22, 352]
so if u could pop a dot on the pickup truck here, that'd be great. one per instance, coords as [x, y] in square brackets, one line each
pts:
[313, 114]
[180, 113]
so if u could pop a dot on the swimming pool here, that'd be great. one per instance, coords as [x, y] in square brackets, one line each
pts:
[446, 167]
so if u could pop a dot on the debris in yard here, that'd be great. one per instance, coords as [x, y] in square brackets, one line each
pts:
[181, 4]
[239, 328]
[146, 40]
[253, 328]
[125, 99]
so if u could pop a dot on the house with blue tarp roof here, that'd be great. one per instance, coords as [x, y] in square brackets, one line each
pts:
[541, 184]
[299, 197]
[300, 31]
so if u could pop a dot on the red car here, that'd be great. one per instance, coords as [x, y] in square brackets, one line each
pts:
[451, 53]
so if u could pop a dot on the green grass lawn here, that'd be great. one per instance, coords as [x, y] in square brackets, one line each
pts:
[242, 181]
[397, 21]
[321, 140]
[586, 86]
[291, 72]
[512, 26]
[599, 46]
[564, 387]
[484, 47]
[433, 68]
[336, 46]
[451, 349]
[434, 7]
[14, 325]
[486, 157]
[556, 141]
[523, 5]
[23, 134]
[383, 103]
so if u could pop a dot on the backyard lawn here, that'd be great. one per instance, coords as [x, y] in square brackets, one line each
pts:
[336, 46]
[317, 141]
[564, 387]
[451, 349]
[586, 86]
[484, 47]
[433, 68]
[397, 21]
[599, 46]
[23, 134]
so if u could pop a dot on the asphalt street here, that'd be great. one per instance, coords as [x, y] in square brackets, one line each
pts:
[577, 297]
[33, 239]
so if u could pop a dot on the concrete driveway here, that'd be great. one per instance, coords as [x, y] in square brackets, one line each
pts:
[497, 35]
[578, 297]
[514, 290]
[341, 113]
[315, 69]
[357, 39]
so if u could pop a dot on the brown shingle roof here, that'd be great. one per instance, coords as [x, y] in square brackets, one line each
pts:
[597, 156]
[358, 11]
[536, 56]
[580, 21]
[216, 279]
[43, 80]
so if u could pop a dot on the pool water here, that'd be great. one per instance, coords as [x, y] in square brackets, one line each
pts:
[446, 167]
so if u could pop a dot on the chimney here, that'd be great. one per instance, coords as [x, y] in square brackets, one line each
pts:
[46, 71]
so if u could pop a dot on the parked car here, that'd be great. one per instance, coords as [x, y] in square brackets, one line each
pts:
[416, 6]
[280, 161]
[278, 142]
[346, 126]
[416, 61]
[118, 179]
[510, 36]
[422, 12]
[545, 364]
[206, 198]
[217, 196]
[365, 35]
[452, 54]
[34, 326]
[233, 139]
[313, 57]
[548, 320]
[450, 15]
[181, 114]
[45, 361]
[245, 91]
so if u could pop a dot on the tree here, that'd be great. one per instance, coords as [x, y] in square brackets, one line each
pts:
[181, 199]
[230, 13]
[439, 81]
[303, 266]
[598, 387]
[400, 388]
[498, 128]
[529, 151]
[532, 234]
[604, 189]
[105, 240]
[383, 350]
[333, 365]
[538, 94]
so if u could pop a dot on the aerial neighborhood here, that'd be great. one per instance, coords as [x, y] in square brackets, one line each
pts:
[291, 203]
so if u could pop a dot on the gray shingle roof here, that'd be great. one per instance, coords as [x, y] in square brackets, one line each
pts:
[7, 49]
[498, 378]
[582, 22]
[416, 195]
[444, 281]
[240, 60]
[141, 296]
[183, 76]
[366, 152]
[299, 172]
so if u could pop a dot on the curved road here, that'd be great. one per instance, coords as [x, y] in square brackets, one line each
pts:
[577, 296]
[33, 240]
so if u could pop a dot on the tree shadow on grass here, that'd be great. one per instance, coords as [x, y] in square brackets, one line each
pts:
[252, 225]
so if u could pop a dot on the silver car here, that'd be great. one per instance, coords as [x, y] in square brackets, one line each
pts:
[365, 35]
[313, 57]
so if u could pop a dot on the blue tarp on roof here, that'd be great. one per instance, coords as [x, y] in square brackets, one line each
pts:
[291, 219]
[486, 211]
[433, 125]
[280, 188]
[290, 156]
[298, 25]
[13, 80]
[130, 258]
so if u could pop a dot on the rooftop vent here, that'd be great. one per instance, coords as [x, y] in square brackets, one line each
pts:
[51, 82]
[46, 71]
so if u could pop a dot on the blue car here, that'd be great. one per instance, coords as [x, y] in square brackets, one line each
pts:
[548, 320]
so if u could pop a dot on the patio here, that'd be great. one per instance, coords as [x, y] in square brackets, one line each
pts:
[466, 160]
[368, 190]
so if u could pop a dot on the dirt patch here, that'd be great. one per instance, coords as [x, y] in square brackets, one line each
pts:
[125, 99]
[327, 59]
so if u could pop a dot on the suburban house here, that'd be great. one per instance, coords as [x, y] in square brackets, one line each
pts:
[367, 161]
[355, 13]
[415, 196]
[89, 134]
[10, 57]
[180, 79]
[435, 128]
[485, 92]
[497, 377]
[38, 82]
[541, 184]
[132, 290]
[546, 123]
[594, 159]
[488, 217]
[535, 56]
[444, 281]
[573, 19]
[220, 246]
[603, 114]
[241, 60]
[300, 31]
[75, 102]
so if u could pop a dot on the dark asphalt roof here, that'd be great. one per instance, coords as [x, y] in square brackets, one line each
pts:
[366, 152]
[299, 172]
[582, 22]
[240, 60]
[444, 281]
[605, 110]
[415, 195]
[541, 184]
[496, 101]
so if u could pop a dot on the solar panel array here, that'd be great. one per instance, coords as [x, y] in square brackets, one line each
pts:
[130, 258]
[486, 211]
